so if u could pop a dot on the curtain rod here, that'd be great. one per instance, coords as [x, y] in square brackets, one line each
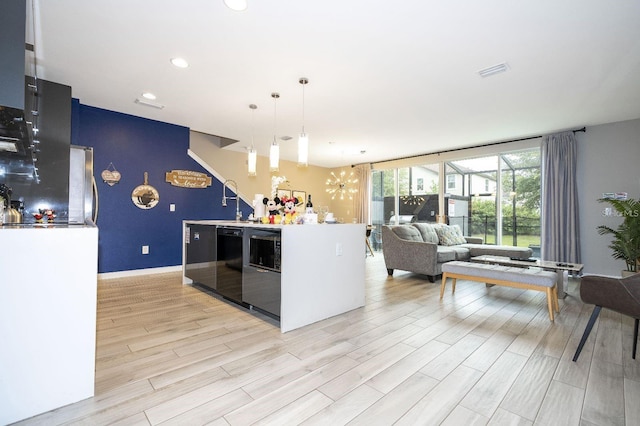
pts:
[584, 129]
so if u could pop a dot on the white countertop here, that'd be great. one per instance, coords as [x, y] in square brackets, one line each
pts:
[24, 226]
[258, 224]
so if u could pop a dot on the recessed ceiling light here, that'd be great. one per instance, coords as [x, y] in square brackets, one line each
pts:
[149, 95]
[237, 5]
[495, 69]
[179, 62]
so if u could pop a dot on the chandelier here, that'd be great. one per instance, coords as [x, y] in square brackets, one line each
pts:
[339, 186]
[411, 200]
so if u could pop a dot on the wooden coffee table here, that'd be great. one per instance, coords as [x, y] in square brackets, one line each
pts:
[560, 268]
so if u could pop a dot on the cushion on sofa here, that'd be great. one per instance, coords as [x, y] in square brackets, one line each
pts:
[450, 235]
[428, 232]
[446, 254]
[462, 253]
[407, 233]
[492, 250]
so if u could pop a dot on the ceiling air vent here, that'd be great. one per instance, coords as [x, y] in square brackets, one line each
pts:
[149, 103]
[495, 69]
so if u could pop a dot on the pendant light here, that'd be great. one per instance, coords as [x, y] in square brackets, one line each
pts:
[303, 139]
[274, 151]
[252, 159]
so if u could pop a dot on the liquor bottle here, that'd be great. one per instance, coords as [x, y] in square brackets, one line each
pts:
[309, 206]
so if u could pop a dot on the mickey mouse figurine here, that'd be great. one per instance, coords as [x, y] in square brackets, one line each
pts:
[272, 206]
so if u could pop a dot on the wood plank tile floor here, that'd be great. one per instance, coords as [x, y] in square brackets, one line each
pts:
[174, 355]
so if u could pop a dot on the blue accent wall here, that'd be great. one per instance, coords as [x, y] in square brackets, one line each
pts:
[136, 145]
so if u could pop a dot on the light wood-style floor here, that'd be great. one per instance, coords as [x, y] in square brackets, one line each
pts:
[174, 355]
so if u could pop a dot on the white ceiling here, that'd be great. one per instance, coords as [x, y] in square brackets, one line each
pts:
[389, 78]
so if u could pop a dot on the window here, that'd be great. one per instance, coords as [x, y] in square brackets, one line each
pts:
[521, 199]
[474, 204]
[403, 195]
[451, 181]
[496, 197]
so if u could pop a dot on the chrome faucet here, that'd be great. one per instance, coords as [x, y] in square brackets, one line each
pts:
[237, 197]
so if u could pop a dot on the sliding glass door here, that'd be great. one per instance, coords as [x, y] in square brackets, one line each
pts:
[495, 197]
[521, 199]
[403, 195]
[470, 200]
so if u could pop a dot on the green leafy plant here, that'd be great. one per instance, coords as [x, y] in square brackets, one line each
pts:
[626, 238]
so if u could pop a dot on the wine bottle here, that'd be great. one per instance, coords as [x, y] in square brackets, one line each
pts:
[309, 206]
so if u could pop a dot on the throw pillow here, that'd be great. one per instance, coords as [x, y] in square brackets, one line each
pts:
[450, 235]
[428, 232]
[407, 233]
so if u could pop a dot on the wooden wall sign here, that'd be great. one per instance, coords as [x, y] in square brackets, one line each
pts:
[110, 175]
[188, 179]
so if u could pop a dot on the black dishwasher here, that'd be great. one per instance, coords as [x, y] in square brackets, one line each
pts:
[229, 263]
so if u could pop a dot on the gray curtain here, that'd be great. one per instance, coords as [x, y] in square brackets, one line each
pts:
[362, 198]
[560, 232]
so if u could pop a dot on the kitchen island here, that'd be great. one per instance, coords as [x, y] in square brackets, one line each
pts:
[322, 269]
[48, 297]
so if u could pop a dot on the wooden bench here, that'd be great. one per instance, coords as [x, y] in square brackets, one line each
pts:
[528, 279]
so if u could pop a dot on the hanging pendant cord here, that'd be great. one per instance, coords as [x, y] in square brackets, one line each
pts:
[275, 97]
[253, 110]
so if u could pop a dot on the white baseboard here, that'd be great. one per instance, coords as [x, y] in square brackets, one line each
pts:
[136, 272]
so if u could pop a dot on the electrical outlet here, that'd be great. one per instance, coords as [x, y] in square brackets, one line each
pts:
[145, 249]
[172, 207]
[338, 249]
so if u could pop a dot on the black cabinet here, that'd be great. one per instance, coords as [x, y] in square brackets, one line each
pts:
[200, 249]
[39, 174]
[217, 257]
[261, 289]
[12, 51]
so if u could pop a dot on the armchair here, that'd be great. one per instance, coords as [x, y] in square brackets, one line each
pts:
[620, 295]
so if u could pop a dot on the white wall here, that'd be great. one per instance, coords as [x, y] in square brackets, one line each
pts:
[608, 161]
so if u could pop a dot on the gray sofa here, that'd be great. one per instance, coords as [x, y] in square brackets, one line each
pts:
[422, 248]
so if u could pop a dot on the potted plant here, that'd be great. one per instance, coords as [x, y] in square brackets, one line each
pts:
[626, 238]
